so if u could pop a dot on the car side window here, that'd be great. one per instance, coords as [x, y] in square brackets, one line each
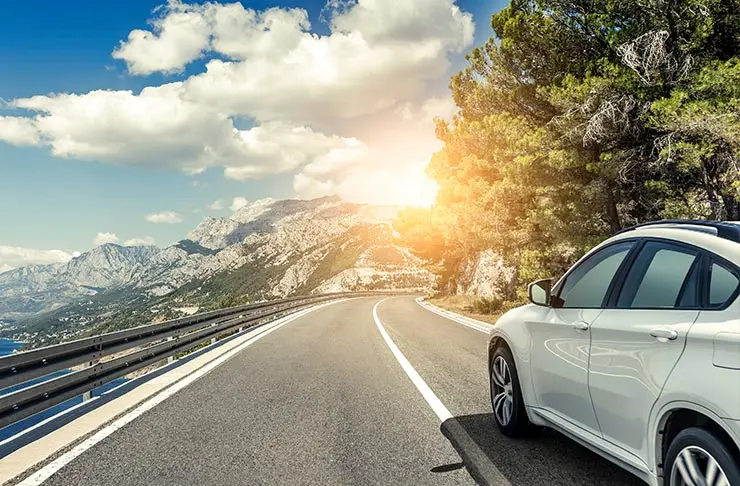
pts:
[722, 285]
[586, 286]
[662, 276]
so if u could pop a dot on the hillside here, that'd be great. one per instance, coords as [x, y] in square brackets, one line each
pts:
[268, 249]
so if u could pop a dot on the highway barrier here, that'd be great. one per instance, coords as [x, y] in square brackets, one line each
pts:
[146, 345]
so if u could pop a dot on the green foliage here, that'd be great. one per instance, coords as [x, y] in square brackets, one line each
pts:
[486, 305]
[581, 117]
[227, 301]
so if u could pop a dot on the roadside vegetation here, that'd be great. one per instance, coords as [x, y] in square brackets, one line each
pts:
[582, 117]
[467, 305]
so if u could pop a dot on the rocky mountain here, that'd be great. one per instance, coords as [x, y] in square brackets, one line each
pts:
[41, 288]
[267, 249]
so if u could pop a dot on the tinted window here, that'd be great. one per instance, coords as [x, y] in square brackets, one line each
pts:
[661, 275]
[722, 285]
[587, 284]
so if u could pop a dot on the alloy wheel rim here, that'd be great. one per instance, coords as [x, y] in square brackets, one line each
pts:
[696, 467]
[503, 391]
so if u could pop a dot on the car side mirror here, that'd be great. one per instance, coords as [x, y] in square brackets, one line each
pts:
[540, 292]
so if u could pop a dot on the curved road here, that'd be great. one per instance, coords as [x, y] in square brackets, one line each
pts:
[324, 401]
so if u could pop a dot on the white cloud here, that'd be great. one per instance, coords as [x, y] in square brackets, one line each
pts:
[14, 256]
[391, 168]
[378, 52]
[238, 203]
[166, 217]
[321, 105]
[425, 112]
[169, 132]
[216, 205]
[102, 238]
[145, 241]
[19, 131]
[178, 37]
[276, 148]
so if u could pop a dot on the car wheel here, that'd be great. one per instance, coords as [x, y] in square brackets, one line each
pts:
[697, 456]
[506, 396]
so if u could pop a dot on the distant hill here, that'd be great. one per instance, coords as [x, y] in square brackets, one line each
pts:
[267, 249]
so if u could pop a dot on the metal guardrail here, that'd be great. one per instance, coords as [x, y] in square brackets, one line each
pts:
[160, 341]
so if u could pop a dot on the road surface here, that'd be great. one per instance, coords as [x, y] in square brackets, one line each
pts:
[324, 401]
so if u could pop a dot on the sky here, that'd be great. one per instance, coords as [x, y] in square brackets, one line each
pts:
[131, 121]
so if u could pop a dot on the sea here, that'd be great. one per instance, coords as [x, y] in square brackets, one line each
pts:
[7, 346]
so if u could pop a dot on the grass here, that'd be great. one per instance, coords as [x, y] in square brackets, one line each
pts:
[464, 305]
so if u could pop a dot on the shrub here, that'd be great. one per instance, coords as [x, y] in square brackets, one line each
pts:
[487, 305]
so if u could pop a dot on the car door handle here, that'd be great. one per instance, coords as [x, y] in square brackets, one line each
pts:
[581, 326]
[669, 334]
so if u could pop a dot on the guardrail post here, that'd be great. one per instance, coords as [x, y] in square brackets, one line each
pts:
[88, 394]
[171, 358]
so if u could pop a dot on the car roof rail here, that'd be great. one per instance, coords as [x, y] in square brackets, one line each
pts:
[729, 230]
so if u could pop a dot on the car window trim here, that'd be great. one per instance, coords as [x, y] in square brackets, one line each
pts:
[666, 243]
[707, 257]
[628, 257]
[730, 267]
[696, 266]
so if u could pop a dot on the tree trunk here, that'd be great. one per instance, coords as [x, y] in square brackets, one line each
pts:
[732, 208]
[611, 210]
[714, 204]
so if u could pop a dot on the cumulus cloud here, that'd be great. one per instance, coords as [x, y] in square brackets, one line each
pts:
[169, 132]
[279, 148]
[425, 112]
[164, 217]
[216, 205]
[377, 52]
[20, 131]
[15, 256]
[391, 170]
[145, 241]
[102, 238]
[176, 38]
[314, 100]
[238, 203]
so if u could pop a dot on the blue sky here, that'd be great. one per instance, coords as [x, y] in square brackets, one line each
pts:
[110, 180]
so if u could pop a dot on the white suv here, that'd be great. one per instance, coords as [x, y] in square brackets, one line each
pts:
[634, 353]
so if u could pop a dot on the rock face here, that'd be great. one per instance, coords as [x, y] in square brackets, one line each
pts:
[267, 249]
[40, 288]
[485, 275]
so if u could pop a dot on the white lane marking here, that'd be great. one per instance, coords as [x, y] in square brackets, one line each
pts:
[465, 321]
[432, 399]
[440, 409]
[47, 471]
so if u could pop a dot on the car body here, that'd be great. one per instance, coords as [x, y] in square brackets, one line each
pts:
[634, 352]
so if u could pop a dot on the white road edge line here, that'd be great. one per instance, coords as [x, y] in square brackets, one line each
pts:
[437, 406]
[493, 475]
[465, 321]
[53, 467]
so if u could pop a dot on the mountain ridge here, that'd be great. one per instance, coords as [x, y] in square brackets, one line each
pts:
[264, 250]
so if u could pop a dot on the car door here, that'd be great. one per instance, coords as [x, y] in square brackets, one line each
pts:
[639, 337]
[561, 340]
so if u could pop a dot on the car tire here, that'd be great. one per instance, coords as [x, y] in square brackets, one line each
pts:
[693, 448]
[509, 410]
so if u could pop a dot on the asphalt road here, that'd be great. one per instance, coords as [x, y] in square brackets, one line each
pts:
[323, 401]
